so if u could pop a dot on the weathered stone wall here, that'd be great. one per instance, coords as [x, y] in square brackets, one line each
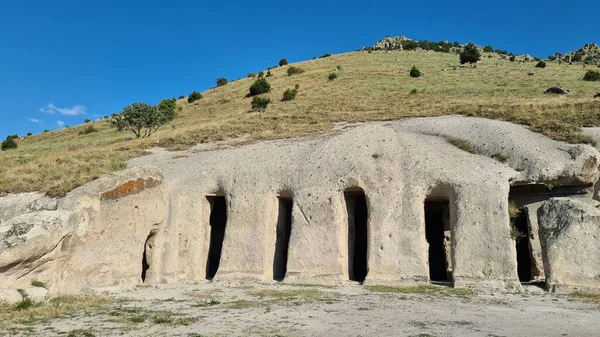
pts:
[104, 234]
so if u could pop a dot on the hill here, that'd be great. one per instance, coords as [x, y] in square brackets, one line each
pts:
[369, 86]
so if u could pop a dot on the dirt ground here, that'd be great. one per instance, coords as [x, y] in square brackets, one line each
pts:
[250, 309]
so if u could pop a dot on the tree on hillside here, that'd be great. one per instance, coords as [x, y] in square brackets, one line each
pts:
[470, 54]
[9, 143]
[283, 62]
[221, 81]
[488, 49]
[144, 119]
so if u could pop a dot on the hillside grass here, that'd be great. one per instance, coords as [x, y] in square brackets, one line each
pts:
[370, 86]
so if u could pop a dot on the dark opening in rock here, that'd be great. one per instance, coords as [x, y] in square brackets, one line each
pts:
[284, 229]
[438, 235]
[356, 206]
[218, 221]
[522, 245]
[146, 259]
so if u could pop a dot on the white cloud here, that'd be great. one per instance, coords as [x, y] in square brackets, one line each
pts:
[34, 120]
[73, 111]
[60, 123]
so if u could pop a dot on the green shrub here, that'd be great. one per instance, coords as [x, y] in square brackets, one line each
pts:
[38, 284]
[339, 67]
[536, 59]
[269, 73]
[88, 129]
[260, 103]
[500, 156]
[488, 49]
[597, 95]
[592, 75]
[221, 81]
[332, 76]
[325, 55]
[180, 97]
[551, 57]
[29, 134]
[470, 54]
[144, 119]
[512, 58]
[576, 58]
[415, 72]
[297, 86]
[9, 144]
[541, 64]
[414, 91]
[87, 121]
[463, 144]
[251, 75]
[194, 96]
[25, 304]
[283, 62]
[261, 74]
[260, 86]
[294, 70]
[289, 95]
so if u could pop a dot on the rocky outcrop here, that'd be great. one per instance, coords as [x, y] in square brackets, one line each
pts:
[295, 210]
[88, 242]
[570, 233]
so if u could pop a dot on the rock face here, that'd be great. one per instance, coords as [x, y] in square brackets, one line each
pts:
[88, 242]
[570, 233]
[389, 203]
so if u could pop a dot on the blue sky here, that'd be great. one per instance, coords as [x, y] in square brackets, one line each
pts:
[64, 61]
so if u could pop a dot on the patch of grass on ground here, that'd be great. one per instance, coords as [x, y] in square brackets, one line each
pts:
[56, 308]
[589, 297]
[420, 289]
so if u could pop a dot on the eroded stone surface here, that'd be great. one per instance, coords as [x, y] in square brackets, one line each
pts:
[129, 188]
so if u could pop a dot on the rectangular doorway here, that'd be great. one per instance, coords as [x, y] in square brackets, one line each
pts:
[358, 215]
[521, 235]
[217, 222]
[282, 241]
[438, 236]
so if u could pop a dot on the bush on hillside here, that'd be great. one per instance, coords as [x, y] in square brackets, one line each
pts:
[289, 95]
[297, 86]
[332, 76]
[180, 97]
[29, 134]
[576, 58]
[260, 103]
[9, 144]
[415, 72]
[597, 95]
[88, 129]
[592, 75]
[488, 49]
[143, 119]
[541, 64]
[283, 62]
[551, 57]
[294, 70]
[221, 81]
[194, 96]
[260, 86]
[87, 121]
[269, 73]
[469, 54]
[536, 59]
[251, 75]
[261, 74]
[512, 58]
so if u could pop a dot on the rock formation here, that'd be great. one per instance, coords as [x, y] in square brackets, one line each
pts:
[391, 203]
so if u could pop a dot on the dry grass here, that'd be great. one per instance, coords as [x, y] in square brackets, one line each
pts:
[421, 289]
[370, 86]
[55, 308]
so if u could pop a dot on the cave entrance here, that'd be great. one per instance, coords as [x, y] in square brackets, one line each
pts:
[438, 236]
[217, 222]
[147, 257]
[520, 229]
[358, 214]
[284, 229]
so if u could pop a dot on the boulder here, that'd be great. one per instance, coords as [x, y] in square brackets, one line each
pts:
[570, 233]
[36, 294]
[10, 296]
[558, 91]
